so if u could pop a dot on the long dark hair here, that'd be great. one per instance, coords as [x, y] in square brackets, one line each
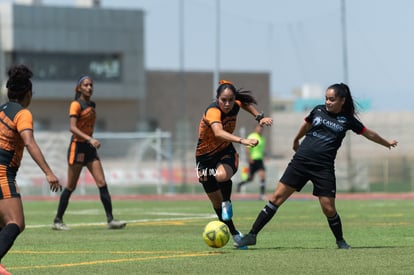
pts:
[19, 83]
[342, 90]
[244, 96]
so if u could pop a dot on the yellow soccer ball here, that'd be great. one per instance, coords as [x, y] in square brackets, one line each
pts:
[216, 234]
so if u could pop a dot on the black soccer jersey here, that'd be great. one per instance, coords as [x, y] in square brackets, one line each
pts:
[325, 136]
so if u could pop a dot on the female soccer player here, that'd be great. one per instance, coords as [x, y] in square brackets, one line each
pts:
[324, 129]
[16, 133]
[216, 157]
[83, 152]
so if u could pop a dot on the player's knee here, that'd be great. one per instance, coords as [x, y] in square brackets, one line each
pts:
[209, 183]
[329, 210]
[101, 182]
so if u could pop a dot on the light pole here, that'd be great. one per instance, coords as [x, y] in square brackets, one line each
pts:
[2, 68]
[216, 74]
[182, 125]
[350, 170]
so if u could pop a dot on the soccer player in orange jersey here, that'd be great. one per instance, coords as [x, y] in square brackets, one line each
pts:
[216, 157]
[16, 133]
[83, 152]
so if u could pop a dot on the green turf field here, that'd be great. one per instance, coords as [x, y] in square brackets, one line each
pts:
[164, 237]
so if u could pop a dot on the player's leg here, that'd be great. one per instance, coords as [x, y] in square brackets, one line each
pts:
[215, 195]
[281, 194]
[12, 223]
[324, 182]
[334, 221]
[225, 169]
[293, 179]
[75, 157]
[74, 171]
[96, 170]
[223, 175]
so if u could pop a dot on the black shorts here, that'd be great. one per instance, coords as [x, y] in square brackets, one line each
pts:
[255, 166]
[206, 169]
[8, 186]
[81, 153]
[299, 172]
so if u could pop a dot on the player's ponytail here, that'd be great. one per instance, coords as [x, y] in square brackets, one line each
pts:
[342, 90]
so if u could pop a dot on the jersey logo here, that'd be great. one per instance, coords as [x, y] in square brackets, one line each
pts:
[341, 119]
[317, 121]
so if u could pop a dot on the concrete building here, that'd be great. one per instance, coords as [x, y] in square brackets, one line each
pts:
[62, 43]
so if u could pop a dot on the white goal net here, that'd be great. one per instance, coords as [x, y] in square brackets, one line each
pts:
[133, 162]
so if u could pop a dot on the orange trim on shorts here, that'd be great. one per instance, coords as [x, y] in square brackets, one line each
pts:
[72, 152]
[4, 183]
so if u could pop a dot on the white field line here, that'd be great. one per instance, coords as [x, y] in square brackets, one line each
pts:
[183, 217]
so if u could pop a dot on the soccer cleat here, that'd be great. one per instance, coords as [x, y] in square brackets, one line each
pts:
[3, 270]
[342, 244]
[114, 224]
[236, 239]
[226, 210]
[60, 226]
[249, 239]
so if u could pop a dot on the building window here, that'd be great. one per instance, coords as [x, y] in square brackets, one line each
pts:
[69, 66]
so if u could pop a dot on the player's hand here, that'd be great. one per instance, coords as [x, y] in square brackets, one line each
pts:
[268, 121]
[54, 183]
[95, 143]
[392, 143]
[251, 142]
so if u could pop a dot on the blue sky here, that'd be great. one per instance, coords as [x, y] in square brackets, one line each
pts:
[297, 41]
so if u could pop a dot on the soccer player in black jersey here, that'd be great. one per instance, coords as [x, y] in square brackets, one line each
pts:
[324, 129]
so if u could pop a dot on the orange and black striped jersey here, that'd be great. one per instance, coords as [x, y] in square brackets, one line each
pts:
[13, 120]
[86, 115]
[208, 145]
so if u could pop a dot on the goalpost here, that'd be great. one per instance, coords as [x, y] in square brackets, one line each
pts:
[132, 161]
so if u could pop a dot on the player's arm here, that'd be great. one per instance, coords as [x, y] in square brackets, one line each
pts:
[268, 121]
[375, 137]
[76, 131]
[218, 131]
[304, 128]
[37, 156]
